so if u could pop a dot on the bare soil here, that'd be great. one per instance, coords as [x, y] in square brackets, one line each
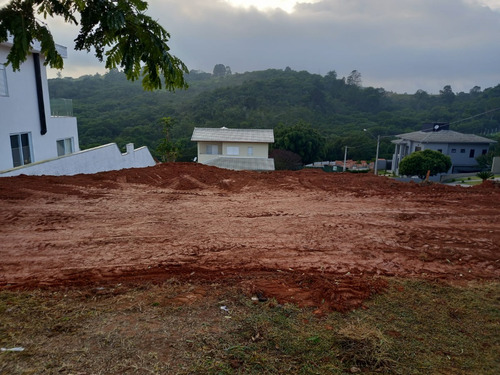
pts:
[309, 237]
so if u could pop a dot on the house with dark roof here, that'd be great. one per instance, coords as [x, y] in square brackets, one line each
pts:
[237, 149]
[463, 149]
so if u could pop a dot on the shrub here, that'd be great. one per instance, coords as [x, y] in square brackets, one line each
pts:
[484, 175]
[418, 163]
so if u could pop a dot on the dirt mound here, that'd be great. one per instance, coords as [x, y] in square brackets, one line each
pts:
[177, 218]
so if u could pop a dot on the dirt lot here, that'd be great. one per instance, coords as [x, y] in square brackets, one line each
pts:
[306, 236]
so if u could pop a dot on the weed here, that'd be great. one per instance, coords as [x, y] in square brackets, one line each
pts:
[365, 346]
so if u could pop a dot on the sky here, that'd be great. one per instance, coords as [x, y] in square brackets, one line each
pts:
[399, 45]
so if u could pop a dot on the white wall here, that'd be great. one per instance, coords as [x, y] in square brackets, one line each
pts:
[260, 150]
[98, 159]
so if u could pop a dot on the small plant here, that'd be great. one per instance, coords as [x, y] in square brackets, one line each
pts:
[484, 175]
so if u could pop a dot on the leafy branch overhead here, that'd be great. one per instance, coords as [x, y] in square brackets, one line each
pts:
[119, 32]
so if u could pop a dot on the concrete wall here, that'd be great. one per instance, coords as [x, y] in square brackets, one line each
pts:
[495, 168]
[98, 159]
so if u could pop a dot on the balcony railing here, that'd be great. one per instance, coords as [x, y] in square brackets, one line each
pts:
[61, 107]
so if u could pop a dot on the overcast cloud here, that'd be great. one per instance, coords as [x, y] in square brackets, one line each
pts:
[400, 45]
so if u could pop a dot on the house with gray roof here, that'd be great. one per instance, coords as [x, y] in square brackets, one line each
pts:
[463, 149]
[237, 149]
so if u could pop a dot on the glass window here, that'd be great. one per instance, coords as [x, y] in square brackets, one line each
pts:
[471, 153]
[20, 145]
[250, 151]
[462, 150]
[64, 146]
[4, 90]
[233, 150]
[212, 149]
[453, 150]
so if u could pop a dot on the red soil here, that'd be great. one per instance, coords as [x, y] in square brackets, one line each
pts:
[310, 237]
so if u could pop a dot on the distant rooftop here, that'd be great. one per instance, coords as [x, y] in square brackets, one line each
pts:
[442, 136]
[233, 135]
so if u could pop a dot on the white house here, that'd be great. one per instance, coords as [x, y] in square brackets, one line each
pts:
[238, 149]
[33, 141]
[463, 149]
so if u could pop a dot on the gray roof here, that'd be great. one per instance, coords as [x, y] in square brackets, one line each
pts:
[233, 135]
[238, 164]
[443, 136]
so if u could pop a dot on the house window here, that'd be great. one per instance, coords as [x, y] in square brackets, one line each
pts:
[233, 150]
[212, 149]
[484, 152]
[439, 150]
[4, 90]
[418, 148]
[453, 150]
[21, 148]
[462, 150]
[64, 146]
[471, 153]
[250, 151]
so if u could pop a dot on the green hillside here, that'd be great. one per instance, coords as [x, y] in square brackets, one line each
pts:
[111, 109]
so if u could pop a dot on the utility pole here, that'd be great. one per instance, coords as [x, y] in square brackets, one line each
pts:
[375, 167]
[345, 157]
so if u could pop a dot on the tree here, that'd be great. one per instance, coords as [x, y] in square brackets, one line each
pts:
[167, 150]
[301, 139]
[354, 79]
[118, 31]
[420, 162]
[447, 95]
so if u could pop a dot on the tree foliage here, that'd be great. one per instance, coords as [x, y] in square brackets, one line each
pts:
[167, 149]
[285, 160]
[420, 162]
[300, 139]
[118, 31]
[111, 109]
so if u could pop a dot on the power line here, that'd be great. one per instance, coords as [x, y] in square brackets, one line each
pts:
[468, 118]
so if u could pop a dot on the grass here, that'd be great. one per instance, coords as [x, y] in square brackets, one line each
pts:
[472, 180]
[414, 327]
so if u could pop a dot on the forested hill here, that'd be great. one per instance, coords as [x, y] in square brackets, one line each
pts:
[111, 109]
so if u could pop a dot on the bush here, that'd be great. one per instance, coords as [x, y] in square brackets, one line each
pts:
[484, 175]
[419, 162]
[286, 160]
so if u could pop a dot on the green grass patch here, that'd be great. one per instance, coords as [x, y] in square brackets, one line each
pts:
[413, 327]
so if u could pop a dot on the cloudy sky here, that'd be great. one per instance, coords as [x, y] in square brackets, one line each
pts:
[400, 45]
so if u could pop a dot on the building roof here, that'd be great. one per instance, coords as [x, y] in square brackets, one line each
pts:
[233, 135]
[36, 46]
[238, 164]
[442, 136]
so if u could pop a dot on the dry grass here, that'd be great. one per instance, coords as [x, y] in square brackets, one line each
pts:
[415, 327]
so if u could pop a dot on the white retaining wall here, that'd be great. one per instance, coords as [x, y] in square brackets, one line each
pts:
[99, 159]
[495, 168]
